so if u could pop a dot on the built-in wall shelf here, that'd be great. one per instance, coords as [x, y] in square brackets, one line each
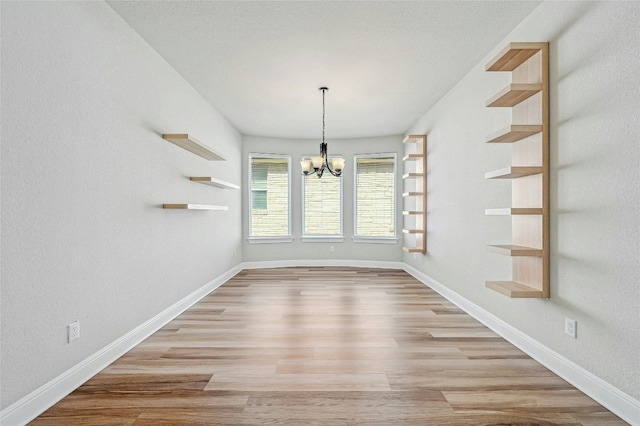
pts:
[207, 180]
[415, 194]
[415, 139]
[513, 172]
[528, 136]
[513, 211]
[193, 145]
[193, 207]
[514, 94]
[412, 175]
[412, 249]
[514, 133]
[514, 289]
[514, 55]
[414, 157]
[413, 231]
[513, 250]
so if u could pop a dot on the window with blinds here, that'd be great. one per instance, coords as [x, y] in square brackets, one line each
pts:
[375, 196]
[269, 195]
[322, 205]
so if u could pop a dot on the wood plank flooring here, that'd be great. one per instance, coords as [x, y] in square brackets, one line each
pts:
[325, 346]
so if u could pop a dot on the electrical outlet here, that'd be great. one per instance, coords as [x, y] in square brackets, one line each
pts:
[73, 331]
[571, 327]
[332, 249]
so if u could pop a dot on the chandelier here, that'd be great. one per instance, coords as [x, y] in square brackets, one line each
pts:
[318, 165]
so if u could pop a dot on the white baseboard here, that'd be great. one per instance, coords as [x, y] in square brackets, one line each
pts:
[32, 405]
[322, 262]
[616, 401]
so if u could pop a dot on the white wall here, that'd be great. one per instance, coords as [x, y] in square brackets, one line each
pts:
[595, 188]
[320, 250]
[84, 175]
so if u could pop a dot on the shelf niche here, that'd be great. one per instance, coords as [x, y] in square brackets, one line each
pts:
[191, 144]
[528, 137]
[415, 198]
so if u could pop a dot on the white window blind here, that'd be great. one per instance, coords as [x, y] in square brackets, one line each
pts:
[322, 205]
[269, 196]
[375, 195]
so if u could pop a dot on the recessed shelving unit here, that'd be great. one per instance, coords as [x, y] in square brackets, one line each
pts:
[415, 194]
[193, 207]
[528, 138]
[211, 181]
[191, 144]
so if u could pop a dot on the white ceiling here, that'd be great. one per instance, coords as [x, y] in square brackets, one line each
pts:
[385, 62]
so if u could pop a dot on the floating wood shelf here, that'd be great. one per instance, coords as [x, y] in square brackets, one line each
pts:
[412, 249]
[514, 133]
[512, 250]
[206, 180]
[514, 94]
[413, 231]
[412, 175]
[415, 194]
[513, 211]
[193, 145]
[513, 172]
[514, 55]
[193, 207]
[414, 157]
[514, 289]
[415, 139]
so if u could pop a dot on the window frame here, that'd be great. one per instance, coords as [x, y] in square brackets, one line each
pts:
[391, 239]
[337, 238]
[268, 238]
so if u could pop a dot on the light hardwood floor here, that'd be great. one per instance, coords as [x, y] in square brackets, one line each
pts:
[326, 346]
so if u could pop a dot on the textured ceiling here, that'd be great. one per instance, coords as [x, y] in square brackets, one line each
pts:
[385, 62]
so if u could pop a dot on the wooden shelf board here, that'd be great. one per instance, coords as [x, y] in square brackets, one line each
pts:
[412, 194]
[411, 212]
[514, 289]
[415, 139]
[513, 94]
[413, 249]
[514, 133]
[193, 145]
[413, 231]
[193, 207]
[412, 157]
[514, 172]
[206, 180]
[512, 211]
[412, 175]
[512, 56]
[511, 250]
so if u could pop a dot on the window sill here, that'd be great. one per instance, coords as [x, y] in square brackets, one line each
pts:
[269, 240]
[375, 240]
[322, 239]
